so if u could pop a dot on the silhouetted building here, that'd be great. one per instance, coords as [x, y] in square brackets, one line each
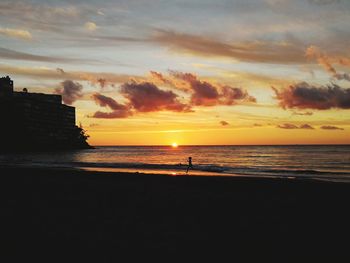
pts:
[35, 120]
[6, 87]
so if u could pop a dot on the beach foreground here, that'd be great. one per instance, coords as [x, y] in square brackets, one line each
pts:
[71, 215]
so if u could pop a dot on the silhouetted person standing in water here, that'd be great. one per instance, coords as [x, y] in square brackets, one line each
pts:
[189, 164]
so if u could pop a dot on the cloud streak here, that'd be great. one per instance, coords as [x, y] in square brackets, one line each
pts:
[44, 16]
[6, 53]
[16, 33]
[322, 58]
[323, 2]
[111, 115]
[291, 126]
[329, 127]
[95, 78]
[306, 113]
[326, 61]
[258, 51]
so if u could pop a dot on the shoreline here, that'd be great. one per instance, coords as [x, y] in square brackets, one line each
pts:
[89, 214]
[176, 173]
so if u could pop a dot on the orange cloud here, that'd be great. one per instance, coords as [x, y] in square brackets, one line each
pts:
[157, 76]
[322, 58]
[326, 61]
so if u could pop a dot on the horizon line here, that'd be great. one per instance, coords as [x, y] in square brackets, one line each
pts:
[187, 145]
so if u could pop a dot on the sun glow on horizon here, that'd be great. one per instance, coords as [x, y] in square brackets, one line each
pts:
[174, 145]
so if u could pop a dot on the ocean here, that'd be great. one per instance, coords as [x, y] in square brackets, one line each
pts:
[330, 162]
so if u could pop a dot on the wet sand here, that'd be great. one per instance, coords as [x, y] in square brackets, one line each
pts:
[57, 215]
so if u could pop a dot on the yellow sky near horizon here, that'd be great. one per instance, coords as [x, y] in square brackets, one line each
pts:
[239, 136]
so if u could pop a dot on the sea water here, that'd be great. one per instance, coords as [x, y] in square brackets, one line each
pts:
[311, 161]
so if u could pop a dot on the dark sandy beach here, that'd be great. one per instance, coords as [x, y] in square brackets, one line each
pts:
[75, 216]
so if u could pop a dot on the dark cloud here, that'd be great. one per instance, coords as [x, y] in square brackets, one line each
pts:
[118, 110]
[224, 123]
[329, 127]
[257, 125]
[291, 126]
[287, 126]
[207, 94]
[306, 126]
[306, 96]
[147, 97]
[203, 93]
[105, 101]
[70, 91]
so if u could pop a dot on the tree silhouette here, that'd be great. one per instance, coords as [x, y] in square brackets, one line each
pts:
[80, 137]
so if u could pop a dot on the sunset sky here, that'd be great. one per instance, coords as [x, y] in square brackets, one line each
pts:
[192, 71]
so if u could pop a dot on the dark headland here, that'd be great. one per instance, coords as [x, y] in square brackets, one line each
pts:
[78, 216]
[36, 121]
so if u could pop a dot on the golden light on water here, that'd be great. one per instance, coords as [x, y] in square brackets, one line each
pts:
[174, 145]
